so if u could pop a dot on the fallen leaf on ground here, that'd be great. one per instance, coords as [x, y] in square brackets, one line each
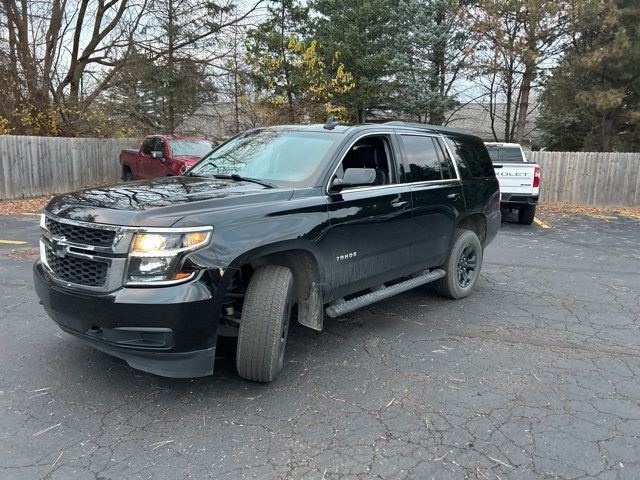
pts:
[23, 205]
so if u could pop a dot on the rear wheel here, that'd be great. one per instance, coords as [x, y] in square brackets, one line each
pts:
[462, 265]
[264, 324]
[127, 176]
[526, 214]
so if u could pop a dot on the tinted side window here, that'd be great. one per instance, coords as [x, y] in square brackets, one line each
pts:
[149, 143]
[473, 154]
[462, 166]
[422, 157]
[159, 146]
[445, 163]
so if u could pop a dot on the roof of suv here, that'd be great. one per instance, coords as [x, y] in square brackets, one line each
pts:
[395, 125]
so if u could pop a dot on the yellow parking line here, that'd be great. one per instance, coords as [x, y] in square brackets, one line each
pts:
[12, 242]
[540, 222]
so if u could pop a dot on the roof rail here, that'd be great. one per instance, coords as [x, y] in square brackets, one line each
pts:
[426, 126]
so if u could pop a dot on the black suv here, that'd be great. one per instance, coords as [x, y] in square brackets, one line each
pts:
[276, 223]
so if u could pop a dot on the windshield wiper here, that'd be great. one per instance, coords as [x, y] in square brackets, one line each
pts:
[239, 178]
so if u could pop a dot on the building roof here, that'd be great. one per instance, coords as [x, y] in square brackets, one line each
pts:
[476, 117]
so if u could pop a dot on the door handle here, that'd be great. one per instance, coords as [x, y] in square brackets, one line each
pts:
[398, 204]
[453, 196]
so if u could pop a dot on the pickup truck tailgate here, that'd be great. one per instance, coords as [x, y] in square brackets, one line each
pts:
[516, 177]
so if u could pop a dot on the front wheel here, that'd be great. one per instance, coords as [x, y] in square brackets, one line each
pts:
[526, 214]
[462, 265]
[264, 323]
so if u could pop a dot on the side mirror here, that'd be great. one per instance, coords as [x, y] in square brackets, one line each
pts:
[157, 154]
[354, 177]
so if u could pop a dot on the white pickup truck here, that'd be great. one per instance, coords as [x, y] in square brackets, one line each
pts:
[519, 179]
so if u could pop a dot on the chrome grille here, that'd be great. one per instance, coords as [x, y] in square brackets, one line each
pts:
[84, 255]
[90, 273]
[80, 234]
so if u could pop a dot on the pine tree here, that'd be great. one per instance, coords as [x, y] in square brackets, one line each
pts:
[270, 55]
[147, 97]
[363, 34]
[432, 48]
[592, 100]
[291, 75]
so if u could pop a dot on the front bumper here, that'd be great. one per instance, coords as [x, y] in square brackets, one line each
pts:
[168, 331]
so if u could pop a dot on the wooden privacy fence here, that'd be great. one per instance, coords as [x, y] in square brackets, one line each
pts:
[33, 166]
[586, 178]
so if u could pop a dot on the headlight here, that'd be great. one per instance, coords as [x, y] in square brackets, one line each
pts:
[159, 257]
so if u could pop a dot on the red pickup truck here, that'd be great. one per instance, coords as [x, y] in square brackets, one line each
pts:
[163, 155]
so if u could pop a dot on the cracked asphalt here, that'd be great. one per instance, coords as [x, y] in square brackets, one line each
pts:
[536, 375]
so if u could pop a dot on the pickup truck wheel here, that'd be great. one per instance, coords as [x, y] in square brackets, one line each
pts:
[264, 323]
[526, 214]
[462, 265]
[127, 176]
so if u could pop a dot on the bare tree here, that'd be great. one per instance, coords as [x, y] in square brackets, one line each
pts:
[63, 54]
[57, 57]
[520, 39]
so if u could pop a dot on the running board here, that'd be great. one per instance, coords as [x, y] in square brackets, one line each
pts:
[341, 308]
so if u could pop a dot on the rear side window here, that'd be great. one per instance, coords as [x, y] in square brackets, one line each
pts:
[422, 157]
[472, 155]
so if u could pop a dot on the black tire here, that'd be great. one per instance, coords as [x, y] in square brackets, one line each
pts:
[127, 176]
[526, 214]
[462, 266]
[264, 323]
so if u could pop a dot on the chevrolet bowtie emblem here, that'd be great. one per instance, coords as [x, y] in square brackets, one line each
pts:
[59, 247]
[60, 251]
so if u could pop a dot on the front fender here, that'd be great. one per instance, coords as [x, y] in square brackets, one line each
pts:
[288, 233]
[281, 247]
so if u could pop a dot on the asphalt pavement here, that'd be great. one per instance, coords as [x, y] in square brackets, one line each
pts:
[536, 375]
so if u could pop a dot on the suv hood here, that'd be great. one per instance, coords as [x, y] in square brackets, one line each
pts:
[160, 202]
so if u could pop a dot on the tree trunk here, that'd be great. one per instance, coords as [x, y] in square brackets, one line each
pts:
[171, 91]
[362, 114]
[523, 109]
[436, 115]
[236, 85]
[607, 130]
[438, 65]
[509, 114]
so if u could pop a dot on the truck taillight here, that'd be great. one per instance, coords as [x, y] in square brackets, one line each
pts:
[536, 177]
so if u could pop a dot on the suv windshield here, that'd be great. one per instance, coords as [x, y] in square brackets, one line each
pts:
[192, 148]
[281, 157]
[500, 153]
